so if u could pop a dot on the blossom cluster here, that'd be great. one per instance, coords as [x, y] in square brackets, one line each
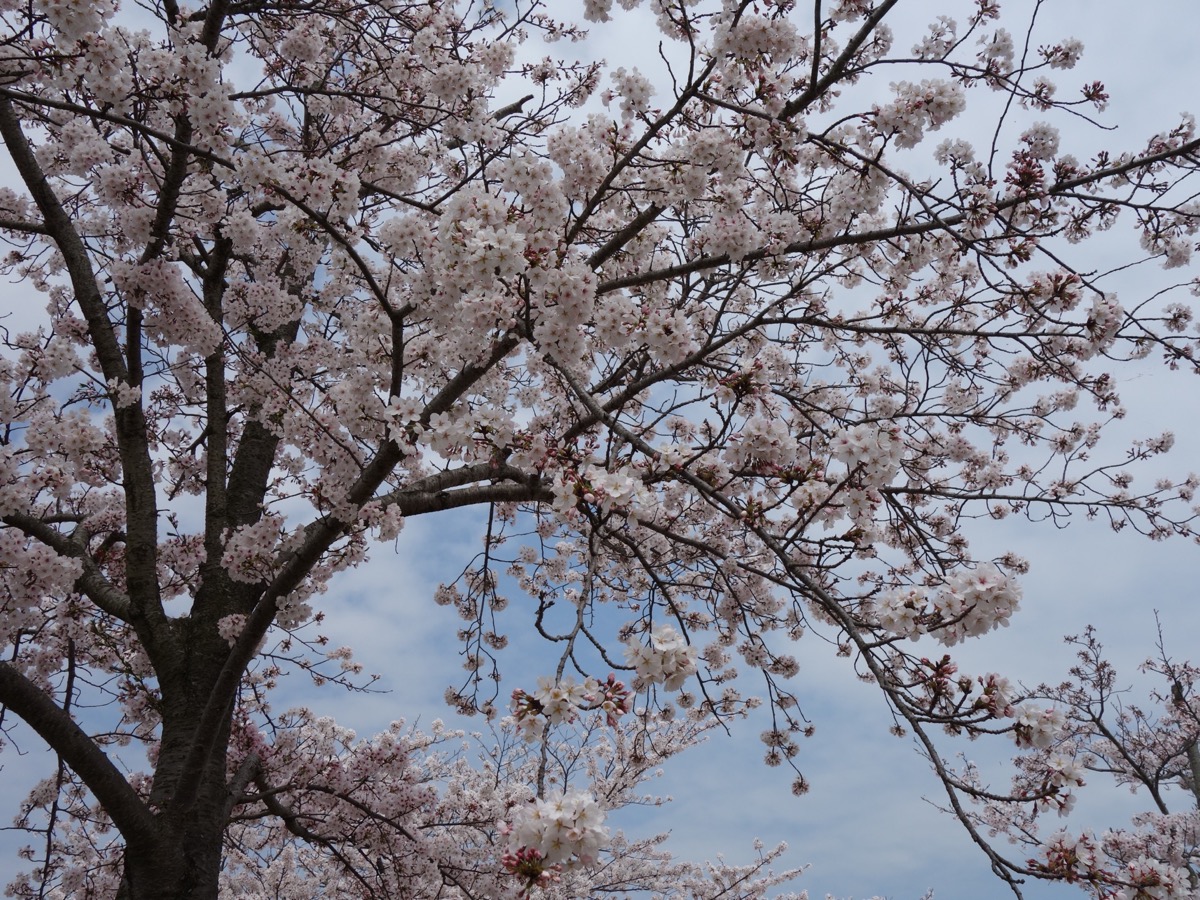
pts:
[558, 702]
[871, 452]
[975, 602]
[563, 829]
[608, 489]
[669, 660]
[1083, 857]
[1040, 727]
[249, 554]
[530, 867]
[970, 603]
[76, 21]
[929, 104]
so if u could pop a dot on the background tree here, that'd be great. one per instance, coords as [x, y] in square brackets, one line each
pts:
[721, 362]
[1149, 749]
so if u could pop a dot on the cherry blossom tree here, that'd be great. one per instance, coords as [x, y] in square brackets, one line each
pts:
[721, 356]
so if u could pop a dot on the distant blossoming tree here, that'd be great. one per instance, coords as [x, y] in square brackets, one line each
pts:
[1151, 749]
[721, 356]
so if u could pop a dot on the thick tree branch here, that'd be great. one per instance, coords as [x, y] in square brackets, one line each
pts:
[92, 583]
[146, 612]
[435, 501]
[614, 244]
[294, 568]
[837, 69]
[443, 482]
[61, 229]
[56, 727]
[22, 227]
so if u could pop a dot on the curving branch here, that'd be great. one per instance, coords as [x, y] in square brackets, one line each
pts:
[61, 732]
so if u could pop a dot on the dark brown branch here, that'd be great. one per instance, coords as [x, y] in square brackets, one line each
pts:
[838, 69]
[146, 612]
[456, 478]
[247, 772]
[22, 227]
[418, 504]
[625, 235]
[294, 568]
[59, 227]
[214, 19]
[92, 583]
[56, 727]
[216, 407]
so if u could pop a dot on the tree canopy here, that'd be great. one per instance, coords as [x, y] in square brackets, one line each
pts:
[727, 358]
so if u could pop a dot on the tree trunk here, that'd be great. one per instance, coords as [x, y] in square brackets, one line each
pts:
[185, 866]
[185, 861]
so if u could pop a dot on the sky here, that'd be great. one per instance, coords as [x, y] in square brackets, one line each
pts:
[868, 826]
